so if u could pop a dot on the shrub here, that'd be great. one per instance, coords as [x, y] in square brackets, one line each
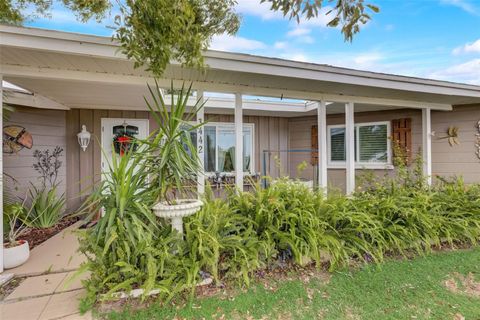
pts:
[287, 222]
[119, 248]
[46, 207]
[222, 243]
[287, 219]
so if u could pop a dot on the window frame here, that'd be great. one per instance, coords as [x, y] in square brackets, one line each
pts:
[230, 125]
[358, 164]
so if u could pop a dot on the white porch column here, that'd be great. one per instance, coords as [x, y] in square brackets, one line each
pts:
[200, 146]
[238, 141]
[350, 147]
[322, 145]
[1, 178]
[427, 144]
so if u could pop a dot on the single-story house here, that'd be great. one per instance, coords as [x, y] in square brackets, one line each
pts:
[339, 121]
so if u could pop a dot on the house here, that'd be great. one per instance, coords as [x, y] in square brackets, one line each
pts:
[63, 81]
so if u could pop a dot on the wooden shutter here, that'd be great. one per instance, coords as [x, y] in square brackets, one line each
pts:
[402, 137]
[314, 135]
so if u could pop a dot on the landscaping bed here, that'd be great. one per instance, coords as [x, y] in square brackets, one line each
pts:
[36, 236]
[233, 240]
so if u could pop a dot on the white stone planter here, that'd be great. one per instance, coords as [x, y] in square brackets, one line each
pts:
[16, 256]
[176, 212]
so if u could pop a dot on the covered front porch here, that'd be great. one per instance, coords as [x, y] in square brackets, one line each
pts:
[84, 79]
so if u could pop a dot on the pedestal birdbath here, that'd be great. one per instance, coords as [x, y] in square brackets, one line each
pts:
[176, 212]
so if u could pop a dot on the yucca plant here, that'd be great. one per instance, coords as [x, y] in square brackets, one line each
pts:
[129, 248]
[172, 160]
[116, 247]
[46, 207]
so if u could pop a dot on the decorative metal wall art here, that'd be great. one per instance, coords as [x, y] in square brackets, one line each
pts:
[452, 136]
[15, 138]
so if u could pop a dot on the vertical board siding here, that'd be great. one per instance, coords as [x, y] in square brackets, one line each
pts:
[273, 146]
[48, 130]
[86, 157]
[283, 145]
[73, 156]
[96, 143]
[84, 168]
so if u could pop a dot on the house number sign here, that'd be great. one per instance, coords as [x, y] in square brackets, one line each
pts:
[200, 139]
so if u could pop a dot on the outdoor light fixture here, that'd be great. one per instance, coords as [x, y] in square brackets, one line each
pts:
[84, 138]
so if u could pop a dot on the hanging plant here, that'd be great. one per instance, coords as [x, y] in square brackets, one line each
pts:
[452, 136]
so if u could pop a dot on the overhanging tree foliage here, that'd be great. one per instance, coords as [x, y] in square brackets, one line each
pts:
[154, 33]
[350, 14]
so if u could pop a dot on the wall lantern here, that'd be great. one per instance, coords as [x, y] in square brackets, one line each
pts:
[84, 138]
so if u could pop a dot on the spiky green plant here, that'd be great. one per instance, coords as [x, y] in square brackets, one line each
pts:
[117, 246]
[46, 207]
[173, 159]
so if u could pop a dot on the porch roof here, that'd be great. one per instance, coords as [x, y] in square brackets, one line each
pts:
[84, 71]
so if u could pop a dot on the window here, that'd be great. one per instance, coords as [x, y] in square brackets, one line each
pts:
[219, 144]
[372, 145]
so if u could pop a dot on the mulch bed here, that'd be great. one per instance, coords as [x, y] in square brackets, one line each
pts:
[9, 287]
[36, 236]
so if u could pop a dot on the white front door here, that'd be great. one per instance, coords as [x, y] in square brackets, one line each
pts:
[115, 135]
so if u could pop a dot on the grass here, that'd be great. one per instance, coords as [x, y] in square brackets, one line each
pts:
[407, 289]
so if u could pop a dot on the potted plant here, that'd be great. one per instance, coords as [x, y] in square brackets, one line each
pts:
[16, 251]
[173, 159]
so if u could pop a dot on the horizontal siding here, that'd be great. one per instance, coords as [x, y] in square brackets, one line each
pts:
[47, 128]
[459, 160]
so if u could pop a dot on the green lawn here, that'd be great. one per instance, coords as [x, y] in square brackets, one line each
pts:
[395, 290]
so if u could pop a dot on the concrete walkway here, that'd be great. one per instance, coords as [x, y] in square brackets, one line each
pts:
[57, 254]
[48, 292]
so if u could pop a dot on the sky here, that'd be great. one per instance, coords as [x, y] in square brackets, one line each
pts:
[437, 39]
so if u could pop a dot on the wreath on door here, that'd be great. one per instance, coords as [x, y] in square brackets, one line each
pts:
[124, 138]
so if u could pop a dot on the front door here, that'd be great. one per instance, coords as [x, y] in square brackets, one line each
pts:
[116, 134]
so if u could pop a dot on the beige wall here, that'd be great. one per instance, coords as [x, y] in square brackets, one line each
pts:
[47, 128]
[84, 168]
[460, 159]
[80, 169]
[300, 138]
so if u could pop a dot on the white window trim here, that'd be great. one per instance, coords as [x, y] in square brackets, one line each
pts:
[360, 165]
[231, 125]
